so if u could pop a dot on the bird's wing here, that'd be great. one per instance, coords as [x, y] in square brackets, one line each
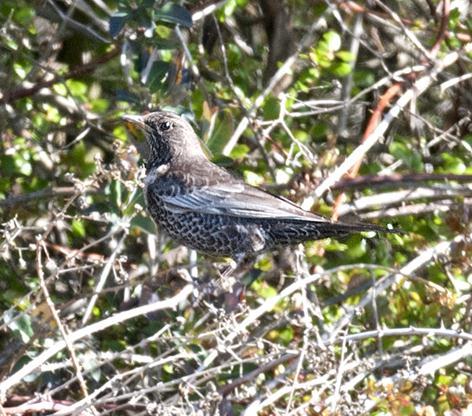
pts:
[239, 200]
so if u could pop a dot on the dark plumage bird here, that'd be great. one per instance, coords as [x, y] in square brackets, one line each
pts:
[204, 207]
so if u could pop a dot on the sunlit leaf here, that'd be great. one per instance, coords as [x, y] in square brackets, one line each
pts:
[158, 75]
[221, 133]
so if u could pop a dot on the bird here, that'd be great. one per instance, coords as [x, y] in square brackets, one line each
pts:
[205, 207]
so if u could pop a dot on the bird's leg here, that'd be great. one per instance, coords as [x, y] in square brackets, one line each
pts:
[216, 287]
[230, 267]
[225, 281]
[193, 263]
[228, 288]
[230, 281]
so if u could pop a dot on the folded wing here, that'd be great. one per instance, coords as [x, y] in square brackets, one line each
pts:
[238, 200]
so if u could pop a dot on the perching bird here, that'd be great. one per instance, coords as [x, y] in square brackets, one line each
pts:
[206, 208]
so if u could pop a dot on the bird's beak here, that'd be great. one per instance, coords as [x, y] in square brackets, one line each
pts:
[135, 120]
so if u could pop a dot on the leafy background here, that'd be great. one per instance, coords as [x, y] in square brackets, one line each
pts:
[281, 92]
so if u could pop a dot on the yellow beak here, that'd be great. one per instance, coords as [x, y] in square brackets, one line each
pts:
[135, 120]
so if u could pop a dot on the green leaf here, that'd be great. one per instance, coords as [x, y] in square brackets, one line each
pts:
[21, 324]
[173, 13]
[332, 41]
[341, 69]
[266, 291]
[116, 23]
[24, 166]
[286, 335]
[319, 130]
[158, 75]
[363, 77]
[116, 193]
[144, 223]
[229, 8]
[453, 164]
[221, 133]
[345, 56]
[240, 151]
[411, 158]
[80, 160]
[78, 88]
[357, 247]
[78, 228]
[271, 108]
[168, 368]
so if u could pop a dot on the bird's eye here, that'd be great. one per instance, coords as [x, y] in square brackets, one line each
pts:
[166, 125]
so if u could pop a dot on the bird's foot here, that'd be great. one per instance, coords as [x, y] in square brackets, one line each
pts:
[227, 269]
[224, 292]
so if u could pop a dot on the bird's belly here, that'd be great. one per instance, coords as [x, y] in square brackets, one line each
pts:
[217, 235]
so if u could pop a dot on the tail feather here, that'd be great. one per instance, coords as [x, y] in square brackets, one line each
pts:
[359, 227]
[294, 232]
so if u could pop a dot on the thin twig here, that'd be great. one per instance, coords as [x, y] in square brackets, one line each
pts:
[414, 265]
[420, 86]
[281, 72]
[86, 331]
[397, 179]
[103, 278]
[54, 192]
[40, 246]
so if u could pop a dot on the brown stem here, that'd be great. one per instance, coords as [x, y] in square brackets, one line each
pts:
[442, 28]
[374, 120]
[15, 200]
[398, 179]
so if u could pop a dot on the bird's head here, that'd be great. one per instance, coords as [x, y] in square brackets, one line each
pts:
[168, 136]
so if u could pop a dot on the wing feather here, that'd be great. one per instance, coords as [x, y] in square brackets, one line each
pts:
[238, 200]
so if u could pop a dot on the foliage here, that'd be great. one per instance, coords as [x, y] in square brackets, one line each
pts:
[368, 324]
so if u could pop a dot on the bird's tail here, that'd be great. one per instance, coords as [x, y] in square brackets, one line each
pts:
[359, 227]
[301, 231]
